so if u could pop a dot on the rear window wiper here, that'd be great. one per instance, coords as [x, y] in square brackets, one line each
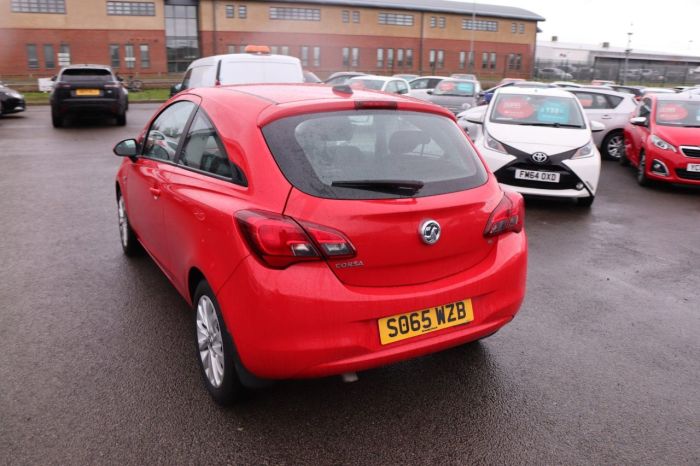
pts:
[556, 125]
[406, 187]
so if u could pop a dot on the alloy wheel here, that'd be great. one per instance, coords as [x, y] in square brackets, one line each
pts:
[210, 341]
[615, 147]
[123, 222]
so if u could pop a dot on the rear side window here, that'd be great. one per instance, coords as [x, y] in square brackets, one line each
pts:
[614, 100]
[98, 75]
[166, 131]
[316, 150]
[204, 151]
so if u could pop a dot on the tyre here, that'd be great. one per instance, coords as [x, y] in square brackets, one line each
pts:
[215, 350]
[642, 179]
[613, 145]
[585, 201]
[121, 119]
[56, 121]
[130, 245]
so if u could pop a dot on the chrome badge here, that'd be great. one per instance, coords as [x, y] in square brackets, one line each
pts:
[429, 231]
[539, 157]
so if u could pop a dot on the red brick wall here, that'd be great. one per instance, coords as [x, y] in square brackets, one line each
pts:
[86, 46]
[332, 45]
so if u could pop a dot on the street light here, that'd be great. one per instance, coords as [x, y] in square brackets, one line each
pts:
[472, 60]
[628, 50]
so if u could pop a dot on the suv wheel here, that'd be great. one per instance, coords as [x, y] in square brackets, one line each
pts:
[56, 120]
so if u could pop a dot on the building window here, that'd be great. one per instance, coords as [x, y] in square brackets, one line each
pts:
[114, 55]
[399, 57]
[390, 58]
[274, 50]
[63, 55]
[230, 11]
[441, 22]
[242, 11]
[129, 58]
[480, 25]
[346, 16]
[522, 28]
[181, 36]
[433, 21]
[462, 60]
[295, 14]
[131, 8]
[355, 16]
[304, 55]
[32, 58]
[409, 58]
[49, 58]
[317, 56]
[380, 58]
[513, 27]
[485, 61]
[518, 61]
[39, 6]
[431, 58]
[492, 63]
[471, 58]
[355, 61]
[395, 19]
[346, 56]
[440, 58]
[145, 56]
[284, 50]
[231, 48]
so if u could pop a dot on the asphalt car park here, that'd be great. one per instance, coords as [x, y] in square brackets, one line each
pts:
[599, 366]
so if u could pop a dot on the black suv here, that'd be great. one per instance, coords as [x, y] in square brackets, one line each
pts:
[80, 89]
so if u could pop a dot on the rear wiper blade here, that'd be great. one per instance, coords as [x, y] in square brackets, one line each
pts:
[392, 186]
[555, 125]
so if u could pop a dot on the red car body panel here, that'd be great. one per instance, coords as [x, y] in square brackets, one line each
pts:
[313, 318]
[638, 139]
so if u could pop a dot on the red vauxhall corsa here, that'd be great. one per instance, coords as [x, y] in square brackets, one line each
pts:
[319, 230]
[662, 140]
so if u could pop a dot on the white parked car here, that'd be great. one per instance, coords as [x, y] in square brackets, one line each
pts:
[538, 141]
[380, 83]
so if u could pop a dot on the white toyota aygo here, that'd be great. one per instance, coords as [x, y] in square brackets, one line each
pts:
[538, 142]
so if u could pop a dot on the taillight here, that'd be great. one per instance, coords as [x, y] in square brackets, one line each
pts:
[280, 241]
[509, 215]
[62, 85]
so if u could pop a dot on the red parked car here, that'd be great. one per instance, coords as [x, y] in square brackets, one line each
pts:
[319, 230]
[662, 140]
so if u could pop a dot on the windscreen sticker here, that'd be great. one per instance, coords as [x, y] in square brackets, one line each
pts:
[552, 111]
[446, 86]
[671, 112]
[517, 108]
[465, 87]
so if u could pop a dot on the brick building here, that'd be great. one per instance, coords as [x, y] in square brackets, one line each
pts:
[154, 38]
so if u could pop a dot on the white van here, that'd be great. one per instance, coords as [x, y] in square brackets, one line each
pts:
[256, 65]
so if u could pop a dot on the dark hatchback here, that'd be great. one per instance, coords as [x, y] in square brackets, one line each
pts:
[11, 101]
[87, 89]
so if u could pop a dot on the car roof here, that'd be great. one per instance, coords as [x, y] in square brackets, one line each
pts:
[430, 77]
[274, 101]
[377, 78]
[676, 96]
[86, 65]
[600, 90]
[213, 59]
[548, 91]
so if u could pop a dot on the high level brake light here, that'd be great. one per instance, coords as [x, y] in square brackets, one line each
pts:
[280, 241]
[509, 215]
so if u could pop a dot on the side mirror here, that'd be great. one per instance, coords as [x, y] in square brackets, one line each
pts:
[53, 78]
[597, 126]
[639, 121]
[127, 148]
[120, 79]
[476, 119]
[174, 89]
[429, 92]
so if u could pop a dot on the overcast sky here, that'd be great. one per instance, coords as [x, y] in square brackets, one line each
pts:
[666, 26]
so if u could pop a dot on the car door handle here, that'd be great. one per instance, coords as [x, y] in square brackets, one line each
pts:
[155, 192]
[606, 117]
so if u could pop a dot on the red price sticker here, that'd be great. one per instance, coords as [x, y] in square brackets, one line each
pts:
[671, 112]
[517, 108]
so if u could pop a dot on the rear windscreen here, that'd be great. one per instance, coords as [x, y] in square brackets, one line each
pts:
[316, 150]
[87, 74]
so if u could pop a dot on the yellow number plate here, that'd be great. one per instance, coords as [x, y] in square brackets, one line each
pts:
[412, 324]
[90, 92]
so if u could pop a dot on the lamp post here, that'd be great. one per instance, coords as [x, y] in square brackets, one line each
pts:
[472, 60]
[628, 50]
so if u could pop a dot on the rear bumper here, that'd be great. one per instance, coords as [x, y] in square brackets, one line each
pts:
[303, 322]
[87, 105]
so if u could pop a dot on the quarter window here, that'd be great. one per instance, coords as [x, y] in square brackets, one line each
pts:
[204, 151]
[166, 131]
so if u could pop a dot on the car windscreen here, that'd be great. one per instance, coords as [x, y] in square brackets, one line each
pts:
[374, 154]
[678, 113]
[372, 84]
[455, 88]
[257, 71]
[87, 74]
[537, 110]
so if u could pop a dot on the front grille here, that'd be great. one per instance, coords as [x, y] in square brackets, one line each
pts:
[567, 180]
[691, 151]
[685, 174]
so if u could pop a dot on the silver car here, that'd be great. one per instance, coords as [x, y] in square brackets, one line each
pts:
[612, 109]
[455, 95]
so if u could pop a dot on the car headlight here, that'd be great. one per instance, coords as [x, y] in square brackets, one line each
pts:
[585, 151]
[493, 144]
[661, 144]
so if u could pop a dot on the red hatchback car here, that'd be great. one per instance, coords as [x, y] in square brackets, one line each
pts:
[319, 230]
[663, 139]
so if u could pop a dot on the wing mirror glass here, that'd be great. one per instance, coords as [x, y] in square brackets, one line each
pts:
[639, 121]
[597, 126]
[174, 89]
[127, 148]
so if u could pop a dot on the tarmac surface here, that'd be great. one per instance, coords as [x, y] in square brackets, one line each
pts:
[97, 360]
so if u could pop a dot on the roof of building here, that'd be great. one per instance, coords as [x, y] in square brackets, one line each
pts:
[433, 6]
[600, 49]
